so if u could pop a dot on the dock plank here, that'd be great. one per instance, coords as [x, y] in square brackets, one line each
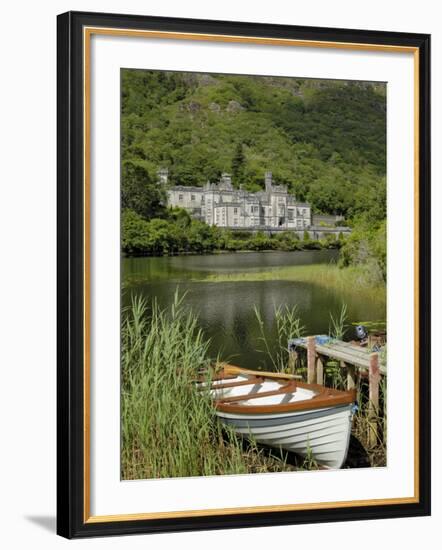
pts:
[344, 352]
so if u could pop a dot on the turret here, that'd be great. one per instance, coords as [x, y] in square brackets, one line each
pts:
[225, 181]
[225, 178]
[268, 181]
[163, 175]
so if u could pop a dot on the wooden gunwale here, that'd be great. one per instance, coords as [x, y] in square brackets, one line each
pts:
[215, 378]
[249, 382]
[326, 397]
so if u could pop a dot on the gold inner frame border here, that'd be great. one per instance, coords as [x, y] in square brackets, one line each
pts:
[88, 32]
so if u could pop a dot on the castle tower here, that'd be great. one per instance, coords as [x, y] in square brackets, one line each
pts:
[268, 181]
[226, 178]
[163, 175]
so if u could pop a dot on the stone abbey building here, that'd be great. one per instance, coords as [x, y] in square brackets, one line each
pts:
[222, 205]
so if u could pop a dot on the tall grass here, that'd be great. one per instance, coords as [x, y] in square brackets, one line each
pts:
[288, 325]
[338, 324]
[365, 420]
[351, 279]
[169, 428]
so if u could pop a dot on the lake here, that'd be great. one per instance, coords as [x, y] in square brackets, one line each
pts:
[226, 308]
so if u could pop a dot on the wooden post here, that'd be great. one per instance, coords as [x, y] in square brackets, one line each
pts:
[293, 357]
[319, 371]
[351, 376]
[311, 359]
[374, 377]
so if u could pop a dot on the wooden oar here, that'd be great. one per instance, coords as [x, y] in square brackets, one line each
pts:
[231, 369]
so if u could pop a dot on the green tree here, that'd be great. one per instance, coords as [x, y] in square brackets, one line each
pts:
[139, 193]
[133, 234]
[366, 246]
[238, 164]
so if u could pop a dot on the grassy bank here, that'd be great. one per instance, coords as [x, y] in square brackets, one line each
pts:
[350, 279]
[168, 428]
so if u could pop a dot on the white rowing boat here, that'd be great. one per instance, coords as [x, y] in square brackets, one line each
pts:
[279, 411]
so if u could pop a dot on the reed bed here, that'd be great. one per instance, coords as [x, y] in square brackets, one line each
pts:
[169, 428]
[288, 325]
[351, 279]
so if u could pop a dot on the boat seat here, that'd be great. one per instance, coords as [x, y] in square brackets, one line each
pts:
[287, 388]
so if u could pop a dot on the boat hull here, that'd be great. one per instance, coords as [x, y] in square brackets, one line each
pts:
[322, 434]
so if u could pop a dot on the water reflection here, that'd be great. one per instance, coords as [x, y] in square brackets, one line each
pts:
[226, 309]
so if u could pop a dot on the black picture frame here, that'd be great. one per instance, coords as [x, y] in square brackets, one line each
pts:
[71, 498]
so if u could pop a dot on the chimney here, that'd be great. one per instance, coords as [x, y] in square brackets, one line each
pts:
[225, 178]
[268, 181]
[163, 175]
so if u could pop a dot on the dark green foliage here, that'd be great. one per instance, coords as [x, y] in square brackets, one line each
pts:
[325, 139]
[367, 247]
[139, 193]
[367, 244]
[179, 234]
[330, 241]
[238, 165]
[344, 121]
[287, 241]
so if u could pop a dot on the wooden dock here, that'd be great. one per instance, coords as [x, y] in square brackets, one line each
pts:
[355, 359]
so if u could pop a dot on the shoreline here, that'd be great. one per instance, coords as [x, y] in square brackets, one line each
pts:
[327, 275]
[309, 248]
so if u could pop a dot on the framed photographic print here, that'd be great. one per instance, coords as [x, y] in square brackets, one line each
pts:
[243, 232]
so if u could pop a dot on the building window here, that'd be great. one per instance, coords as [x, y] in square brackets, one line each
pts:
[235, 210]
[192, 197]
[180, 197]
[290, 214]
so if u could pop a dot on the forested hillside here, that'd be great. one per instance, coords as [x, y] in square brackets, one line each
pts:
[325, 139]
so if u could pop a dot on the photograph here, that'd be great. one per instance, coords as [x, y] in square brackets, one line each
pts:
[235, 247]
[253, 274]
[243, 233]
